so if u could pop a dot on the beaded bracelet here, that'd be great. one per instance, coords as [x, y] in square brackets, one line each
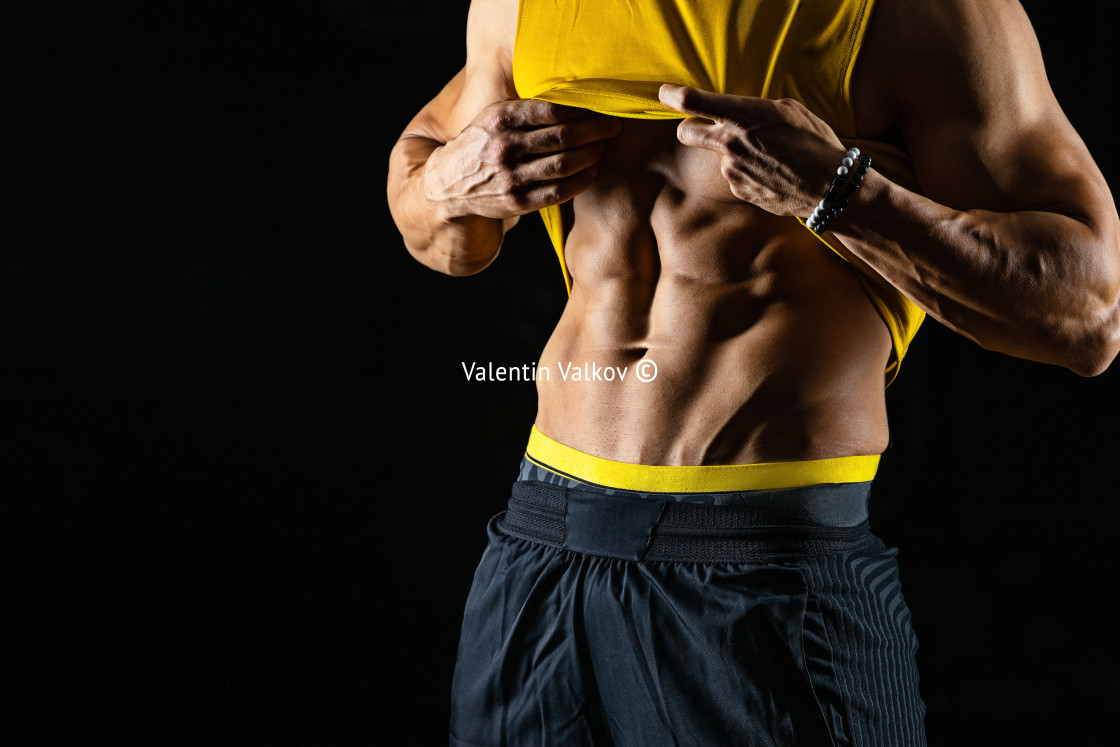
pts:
[832, 205]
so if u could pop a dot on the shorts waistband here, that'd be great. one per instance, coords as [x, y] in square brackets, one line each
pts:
[586, 468]
[657, 527]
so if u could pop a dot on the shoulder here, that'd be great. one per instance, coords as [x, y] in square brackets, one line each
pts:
[963, 84]
[942, 25]
[491, 32]
[959, 53]
[486, 77]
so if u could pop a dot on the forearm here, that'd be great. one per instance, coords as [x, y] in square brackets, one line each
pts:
[1032, 284]
[433, 232]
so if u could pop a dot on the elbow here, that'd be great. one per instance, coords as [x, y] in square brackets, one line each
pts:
[1093, 365]
[450, 256]
[459, 264]
[1093, 349]
[1095, 354]
[1097, 342]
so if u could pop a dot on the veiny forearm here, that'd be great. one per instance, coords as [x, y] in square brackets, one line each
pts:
[1032, 284]
[451, 244]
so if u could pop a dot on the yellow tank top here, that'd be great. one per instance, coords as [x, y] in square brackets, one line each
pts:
[611, 56]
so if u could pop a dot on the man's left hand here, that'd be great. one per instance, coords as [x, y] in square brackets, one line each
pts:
[775, 154]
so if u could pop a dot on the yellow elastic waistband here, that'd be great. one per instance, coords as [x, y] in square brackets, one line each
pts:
[564, 460]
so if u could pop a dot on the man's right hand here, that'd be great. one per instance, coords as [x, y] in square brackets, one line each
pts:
[516, 157]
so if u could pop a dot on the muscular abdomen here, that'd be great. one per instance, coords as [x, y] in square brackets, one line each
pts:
[766, 347]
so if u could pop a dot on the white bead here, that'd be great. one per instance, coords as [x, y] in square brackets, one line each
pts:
[842, 171]
[853, 153]
[848, 162]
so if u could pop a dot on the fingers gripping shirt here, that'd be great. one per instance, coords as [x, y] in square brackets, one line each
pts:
[611, 56]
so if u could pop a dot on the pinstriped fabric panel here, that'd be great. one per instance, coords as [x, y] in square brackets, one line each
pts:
[874, 646]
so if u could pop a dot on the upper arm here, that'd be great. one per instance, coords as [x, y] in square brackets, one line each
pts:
[487, 76]
[979, 119]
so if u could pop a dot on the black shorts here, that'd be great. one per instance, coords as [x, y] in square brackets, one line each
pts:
[605, 617]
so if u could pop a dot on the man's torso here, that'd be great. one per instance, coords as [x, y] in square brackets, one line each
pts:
[766, 344]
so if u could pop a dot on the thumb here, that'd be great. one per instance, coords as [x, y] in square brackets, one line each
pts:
[694, 102]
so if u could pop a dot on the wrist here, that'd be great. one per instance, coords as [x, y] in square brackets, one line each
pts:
[844, 187]
[433, 189]
[870, 202]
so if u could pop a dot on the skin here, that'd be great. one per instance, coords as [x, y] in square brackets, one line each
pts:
[682, 250]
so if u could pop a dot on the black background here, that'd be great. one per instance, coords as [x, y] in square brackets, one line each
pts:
[244, 482]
